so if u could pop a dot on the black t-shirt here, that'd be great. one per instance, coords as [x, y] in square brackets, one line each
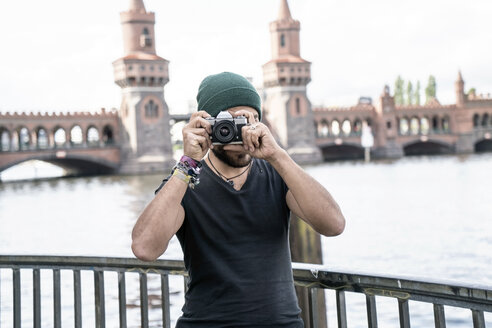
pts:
[236, 251]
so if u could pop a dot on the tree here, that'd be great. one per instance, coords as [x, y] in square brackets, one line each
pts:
[416, 95]
[399, 91]
[430, 90]
[409, 99]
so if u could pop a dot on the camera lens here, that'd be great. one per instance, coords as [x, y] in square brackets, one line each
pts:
[224, 131]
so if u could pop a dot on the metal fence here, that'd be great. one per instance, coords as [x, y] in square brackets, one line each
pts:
[478, 299]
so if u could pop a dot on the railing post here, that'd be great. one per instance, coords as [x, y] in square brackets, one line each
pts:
[122, 298]
[144, 301]
[165, 303]
[313, 307]
[77, 299]
[99, 299]
[17, 298]
[372, 316]
[36, 298]
[478, 319]
[404, 313]
[341, 309]
[439, 317]
[56, 299]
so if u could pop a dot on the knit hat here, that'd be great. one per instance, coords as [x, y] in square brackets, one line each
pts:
[225, 90]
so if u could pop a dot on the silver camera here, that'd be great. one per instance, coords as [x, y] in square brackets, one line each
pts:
[227, 129]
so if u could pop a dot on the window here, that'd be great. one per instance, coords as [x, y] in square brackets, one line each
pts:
[282, 40]
[298, 106]
[145, 38]
[151, 109]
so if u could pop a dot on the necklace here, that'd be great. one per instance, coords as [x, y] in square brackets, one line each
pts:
[228, 180]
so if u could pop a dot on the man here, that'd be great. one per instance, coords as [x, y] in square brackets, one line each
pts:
[233, 222]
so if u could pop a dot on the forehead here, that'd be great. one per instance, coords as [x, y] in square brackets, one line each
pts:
[247, 108]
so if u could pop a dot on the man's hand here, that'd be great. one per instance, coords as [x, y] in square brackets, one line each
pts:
[196, 136]
[258, 141]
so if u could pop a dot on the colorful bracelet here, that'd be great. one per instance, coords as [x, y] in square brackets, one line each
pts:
[187, 170]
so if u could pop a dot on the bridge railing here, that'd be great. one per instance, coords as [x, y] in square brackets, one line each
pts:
[478, 299]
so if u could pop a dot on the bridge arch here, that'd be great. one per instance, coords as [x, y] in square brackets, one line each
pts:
[5, 139]
[483, 145]
[108, 135]
[92, 136]
[428, 147]
[59, 137]
[74, 164]
[334, 151]
[42, 138]
[76, 135]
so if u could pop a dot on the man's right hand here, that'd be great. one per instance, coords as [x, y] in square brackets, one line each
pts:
[196, 136]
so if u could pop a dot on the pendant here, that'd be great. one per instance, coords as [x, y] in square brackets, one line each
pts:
[231, 183]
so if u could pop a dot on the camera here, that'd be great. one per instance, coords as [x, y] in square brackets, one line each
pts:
[227, 129]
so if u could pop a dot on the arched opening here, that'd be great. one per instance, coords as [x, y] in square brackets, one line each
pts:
[424, 125]
[404, 127]
[485, 120]
[282, 40]
[476, 120]
[4, 139]
[92, 136]
[324, 128]
[76, 136]
[316, 129]
[445, 124]
[108, 138]
[414, 126]
[357, 127]
[435, 124]
[24, 138]
[483, 146]
[42, 139]
[335, 128]
[60, 137]
[346, 127]
[427, 148]
[151, 109]
[342, 152]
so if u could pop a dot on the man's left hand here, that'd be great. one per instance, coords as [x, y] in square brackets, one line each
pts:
[258, 140]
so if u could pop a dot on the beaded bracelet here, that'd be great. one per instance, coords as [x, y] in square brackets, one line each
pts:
[187, 170]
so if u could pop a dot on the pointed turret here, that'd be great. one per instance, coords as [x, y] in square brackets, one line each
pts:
[459, 87]
[284, 12]
[137, 6]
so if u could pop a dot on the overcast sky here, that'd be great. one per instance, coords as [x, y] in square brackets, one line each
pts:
[57, 55]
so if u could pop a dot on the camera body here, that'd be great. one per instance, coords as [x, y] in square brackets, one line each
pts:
[227, 129]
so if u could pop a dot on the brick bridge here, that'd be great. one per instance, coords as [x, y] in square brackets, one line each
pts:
[89, 143]
[80, 142]
[464, 127]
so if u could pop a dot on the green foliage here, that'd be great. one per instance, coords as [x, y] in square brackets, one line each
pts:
[409, 98]
[416, 95]
[399, 91]
[472, 92]
[430, 90]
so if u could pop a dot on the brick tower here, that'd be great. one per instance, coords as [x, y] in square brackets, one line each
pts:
[285, 77]
[144, 114]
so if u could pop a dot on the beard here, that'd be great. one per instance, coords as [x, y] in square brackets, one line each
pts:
[234, 159]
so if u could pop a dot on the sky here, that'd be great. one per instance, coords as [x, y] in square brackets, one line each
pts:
[57, 55]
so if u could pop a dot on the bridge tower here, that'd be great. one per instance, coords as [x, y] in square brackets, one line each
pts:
[141, 74]
[285, 78]
[386, 127]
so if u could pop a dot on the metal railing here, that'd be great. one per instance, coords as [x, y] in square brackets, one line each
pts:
[478, 299]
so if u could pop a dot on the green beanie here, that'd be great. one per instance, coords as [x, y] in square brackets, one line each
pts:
[225, 90]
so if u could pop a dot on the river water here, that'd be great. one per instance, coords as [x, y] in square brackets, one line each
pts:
[417, 217]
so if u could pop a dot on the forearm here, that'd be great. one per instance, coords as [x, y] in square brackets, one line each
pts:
[159, 221]
[315, 204]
